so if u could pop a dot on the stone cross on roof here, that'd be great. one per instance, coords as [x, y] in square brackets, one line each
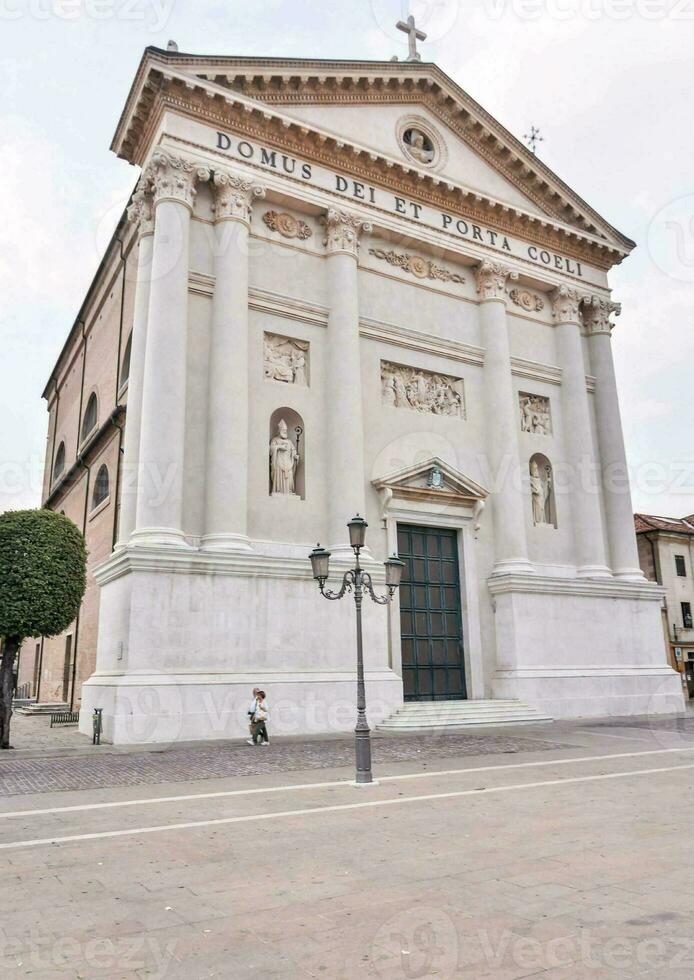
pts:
[414, 34]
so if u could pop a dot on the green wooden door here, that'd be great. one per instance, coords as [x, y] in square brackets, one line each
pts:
[431, 626]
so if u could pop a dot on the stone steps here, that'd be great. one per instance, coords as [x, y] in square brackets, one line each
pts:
[44, 708]
[444, 715]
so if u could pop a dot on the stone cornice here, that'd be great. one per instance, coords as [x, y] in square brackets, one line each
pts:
[547, 585]
[200, 87]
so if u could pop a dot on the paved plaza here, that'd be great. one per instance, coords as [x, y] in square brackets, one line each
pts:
[554, 851]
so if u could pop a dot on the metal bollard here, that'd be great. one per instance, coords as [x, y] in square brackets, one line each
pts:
[96, 722]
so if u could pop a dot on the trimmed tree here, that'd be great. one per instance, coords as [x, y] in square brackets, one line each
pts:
[43, 569]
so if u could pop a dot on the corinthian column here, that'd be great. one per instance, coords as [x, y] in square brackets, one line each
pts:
[501, 407]
[619, 514]
[162, 431]
[141, 212]
[345, 433]
[226, 495]
[585, 501]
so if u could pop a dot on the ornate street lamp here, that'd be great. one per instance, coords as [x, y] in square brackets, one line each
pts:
[358, 581]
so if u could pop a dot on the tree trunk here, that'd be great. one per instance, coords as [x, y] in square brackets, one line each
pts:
[7, 688]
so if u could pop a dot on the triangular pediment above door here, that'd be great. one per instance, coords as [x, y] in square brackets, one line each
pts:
[432, 480]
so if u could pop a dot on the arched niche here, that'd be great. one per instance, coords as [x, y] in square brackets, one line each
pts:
[542, 496]
[286, 470]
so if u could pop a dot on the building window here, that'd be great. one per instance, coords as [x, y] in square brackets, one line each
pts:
[125, 368]
[686, 615]
[101, 487]
[59, 464]
[90, 416]
[680, 566]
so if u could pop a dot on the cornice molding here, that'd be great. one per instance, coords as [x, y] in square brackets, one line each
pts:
[414, 340]
[547, 585]
[169, 82]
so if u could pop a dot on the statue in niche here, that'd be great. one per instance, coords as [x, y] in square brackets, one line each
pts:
[419, 145]
[535, 415]
[540, 489]
[284, 460]
[285, 359]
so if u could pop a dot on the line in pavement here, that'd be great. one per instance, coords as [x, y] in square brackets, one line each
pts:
[182, 798]
[275, 815]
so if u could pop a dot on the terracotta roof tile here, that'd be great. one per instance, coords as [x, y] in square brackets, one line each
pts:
[675, 525]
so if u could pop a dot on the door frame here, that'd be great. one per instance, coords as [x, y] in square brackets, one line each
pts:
[463, 521]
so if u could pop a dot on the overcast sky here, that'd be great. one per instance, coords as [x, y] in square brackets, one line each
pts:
[609, 83]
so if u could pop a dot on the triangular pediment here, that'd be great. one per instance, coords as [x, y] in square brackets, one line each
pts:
[431, 479]
[344, 113]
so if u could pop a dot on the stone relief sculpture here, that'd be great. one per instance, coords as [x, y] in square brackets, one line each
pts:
[535, 416]
[542, 491]
[416, 265]
[528, 301]
[422, 391]
[284, 459]
[285, 359]
[287, 225]
[418, 145]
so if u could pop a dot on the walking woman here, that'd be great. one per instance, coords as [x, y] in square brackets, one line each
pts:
[260, 736]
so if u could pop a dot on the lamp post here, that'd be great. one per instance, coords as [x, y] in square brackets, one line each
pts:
[358, 581]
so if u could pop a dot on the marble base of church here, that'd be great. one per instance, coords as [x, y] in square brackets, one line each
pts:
[185, 635]
[577, 648]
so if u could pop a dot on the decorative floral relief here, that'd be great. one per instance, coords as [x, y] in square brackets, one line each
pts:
[287, 225]
[528, 301]
[416, 265]
[423, 391]
[535, 415]
[285, 359]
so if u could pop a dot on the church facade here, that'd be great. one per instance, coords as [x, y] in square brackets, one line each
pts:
[355, 292]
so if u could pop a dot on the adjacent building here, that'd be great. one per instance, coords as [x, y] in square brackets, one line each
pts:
[341, 288]
[666, 554]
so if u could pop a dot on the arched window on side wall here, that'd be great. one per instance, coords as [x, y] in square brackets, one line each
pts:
[125, 366]
[59, 464]
[91, 416]
[101, 487]
[542, 491]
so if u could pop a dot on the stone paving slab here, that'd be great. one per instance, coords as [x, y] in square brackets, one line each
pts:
[98, 770]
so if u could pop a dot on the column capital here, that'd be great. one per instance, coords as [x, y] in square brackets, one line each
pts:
[491, 278]
[141, 207]
[597, 312]
[234, 196]
[174, 178]
[342, 231]
[566, 305]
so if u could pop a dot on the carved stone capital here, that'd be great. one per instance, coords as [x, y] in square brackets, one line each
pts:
[174, 178]
[566, 305]
[491, 278]
[234, 197]
[342, 231]
[141, 207]
[597, 312]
